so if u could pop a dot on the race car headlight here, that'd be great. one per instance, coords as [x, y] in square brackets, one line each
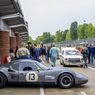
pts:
[78, 74]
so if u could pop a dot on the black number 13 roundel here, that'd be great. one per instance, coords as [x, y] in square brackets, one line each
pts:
[31, 77]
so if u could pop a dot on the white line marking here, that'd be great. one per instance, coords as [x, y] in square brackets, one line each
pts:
[91, 68]
[83, 93]
[42, 91]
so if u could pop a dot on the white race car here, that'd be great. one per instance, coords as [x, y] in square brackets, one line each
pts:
[71, 56]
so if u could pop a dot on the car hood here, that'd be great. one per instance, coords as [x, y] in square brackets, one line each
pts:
[59, 68]
[73, 56]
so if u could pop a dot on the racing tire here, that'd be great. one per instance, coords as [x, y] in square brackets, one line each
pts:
[3, 80]
[66, 81]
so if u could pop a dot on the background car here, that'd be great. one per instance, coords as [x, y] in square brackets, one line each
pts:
[30, 71]
[71, 56]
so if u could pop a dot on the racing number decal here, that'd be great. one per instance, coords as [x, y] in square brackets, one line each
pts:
[31, 77]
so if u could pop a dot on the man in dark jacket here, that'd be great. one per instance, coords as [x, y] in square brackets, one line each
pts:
[30, 48]
[92, 49]
[36, 53]
[89, 55]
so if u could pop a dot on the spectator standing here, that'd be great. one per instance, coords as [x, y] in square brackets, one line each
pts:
[92, 50]
[16, 51]
[89, 55]
[30, 48]
[41, 48]
[54, 54]
[8, 58]
[50, 48]
[22, 51]
[44, 53]
[36, 53]
[47, 58]
[85, 53]
[12, 51]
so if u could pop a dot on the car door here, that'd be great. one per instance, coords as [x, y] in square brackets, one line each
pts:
[62, 56]
[13, 72]
[28, 72]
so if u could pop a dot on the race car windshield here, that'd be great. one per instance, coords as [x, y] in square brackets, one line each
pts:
[42, 66]
[72, 52]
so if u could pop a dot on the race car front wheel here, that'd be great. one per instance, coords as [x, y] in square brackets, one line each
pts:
[66, 81]
[3, 80]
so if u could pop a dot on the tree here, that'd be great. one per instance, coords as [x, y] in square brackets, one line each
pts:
[58, 36]
[52, 38]
[68, 38]
[73, 30]
[93, 31]
[30, 39]
[89, 31]
[81, 31]
[47, 37]
[64, 35]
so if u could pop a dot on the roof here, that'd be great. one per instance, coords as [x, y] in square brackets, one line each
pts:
[66, 48]
[11, 13]
[8, 7]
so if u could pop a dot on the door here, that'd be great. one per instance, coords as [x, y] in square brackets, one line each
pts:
[13, 72]
[61, 56]
[28, 72]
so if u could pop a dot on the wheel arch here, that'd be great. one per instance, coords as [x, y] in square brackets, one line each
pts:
[4, 75]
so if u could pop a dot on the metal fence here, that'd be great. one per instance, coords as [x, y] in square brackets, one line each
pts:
[75, 42]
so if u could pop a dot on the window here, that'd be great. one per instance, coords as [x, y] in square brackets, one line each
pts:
[72, 52]
[27, 66]
[15, 65]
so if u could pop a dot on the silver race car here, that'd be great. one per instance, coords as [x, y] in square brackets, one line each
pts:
[30, 71]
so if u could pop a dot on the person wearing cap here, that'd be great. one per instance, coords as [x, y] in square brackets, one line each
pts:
[30, 48]
[8, 58]
[22, 51]
[54, 54]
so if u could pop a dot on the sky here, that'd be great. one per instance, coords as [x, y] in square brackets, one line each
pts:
[53, 15]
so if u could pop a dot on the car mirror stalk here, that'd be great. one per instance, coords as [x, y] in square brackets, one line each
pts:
[38, 69]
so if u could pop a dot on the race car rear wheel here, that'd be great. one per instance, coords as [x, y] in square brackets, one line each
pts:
[66, 81]
[3, 80]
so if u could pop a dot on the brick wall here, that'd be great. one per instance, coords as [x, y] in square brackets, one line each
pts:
[4, 44]
[13, 43]
[18, 40]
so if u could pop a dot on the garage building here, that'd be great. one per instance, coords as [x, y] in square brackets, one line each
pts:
[13, 27]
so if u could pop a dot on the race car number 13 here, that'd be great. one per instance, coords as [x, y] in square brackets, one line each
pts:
[31, 77]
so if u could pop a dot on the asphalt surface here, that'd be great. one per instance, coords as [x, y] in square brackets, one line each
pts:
[86, 89]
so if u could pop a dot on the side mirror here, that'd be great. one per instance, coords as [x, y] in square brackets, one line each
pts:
[38, 69]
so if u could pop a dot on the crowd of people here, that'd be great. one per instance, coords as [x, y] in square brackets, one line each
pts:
[49, 53]
[32, 52]
[88, 54]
